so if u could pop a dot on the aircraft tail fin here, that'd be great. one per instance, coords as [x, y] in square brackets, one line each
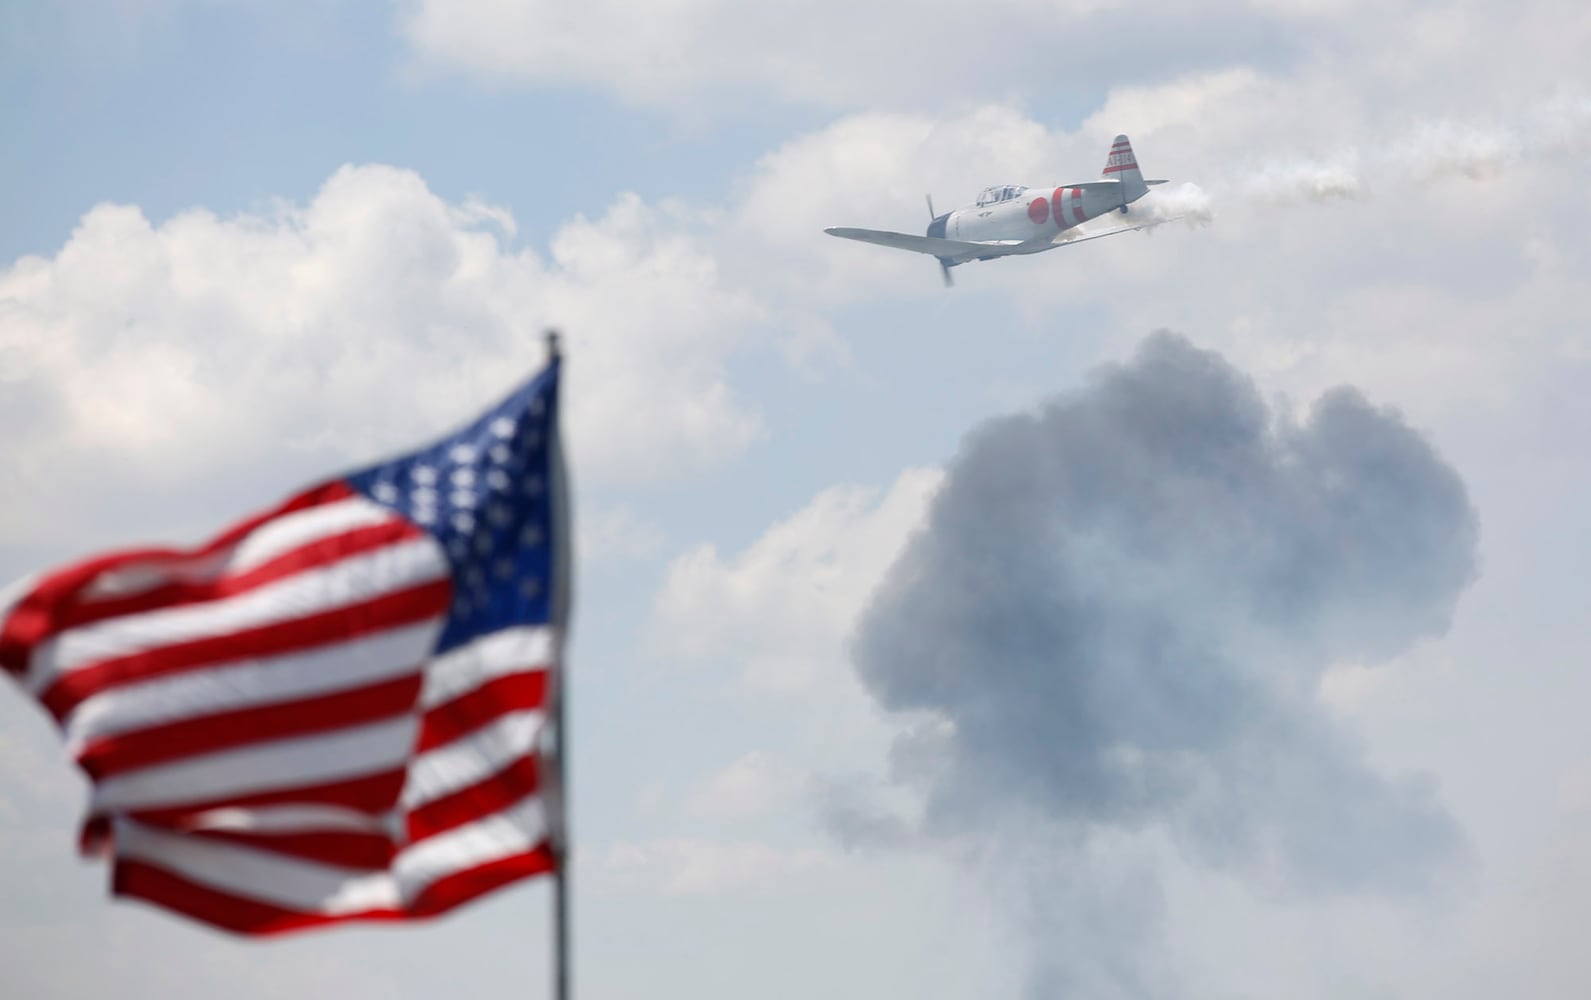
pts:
[1122, 165]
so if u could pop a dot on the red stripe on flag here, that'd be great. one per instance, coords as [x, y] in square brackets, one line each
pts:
[31, 620]
[484, 798]
[371, 794]
[259, 714]
[321, 552]
[388, 611]
[228, 911]
[461, 887]
[113, 755]
[342, 848]
[484, 705]
[243, 915]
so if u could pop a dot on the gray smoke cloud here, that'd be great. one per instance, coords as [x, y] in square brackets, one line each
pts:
[1114, 624]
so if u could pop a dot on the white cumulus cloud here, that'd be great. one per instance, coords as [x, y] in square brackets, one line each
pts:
[305, 337]
[693, 866]
[784, 605]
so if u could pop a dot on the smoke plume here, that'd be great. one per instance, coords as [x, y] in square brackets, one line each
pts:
[1472, 149]
[1438, 149]
[1186, 201]
[1112, 627]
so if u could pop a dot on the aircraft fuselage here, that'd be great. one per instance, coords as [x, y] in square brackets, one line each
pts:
[1029, 215]
[1014, 219]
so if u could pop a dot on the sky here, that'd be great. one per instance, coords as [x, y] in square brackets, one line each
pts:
[1189, 614]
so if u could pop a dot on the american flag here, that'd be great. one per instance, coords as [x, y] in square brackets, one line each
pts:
[337, 709]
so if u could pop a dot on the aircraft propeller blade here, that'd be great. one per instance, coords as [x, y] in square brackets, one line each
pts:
[931, 215]
[945, 269]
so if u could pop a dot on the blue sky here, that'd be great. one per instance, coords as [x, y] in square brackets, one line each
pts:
[210, 104]
[243, 245]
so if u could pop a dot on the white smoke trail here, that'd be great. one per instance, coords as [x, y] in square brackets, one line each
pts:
[1477, 150]
[1187, 202]
[1453, 149]
[1305, 180]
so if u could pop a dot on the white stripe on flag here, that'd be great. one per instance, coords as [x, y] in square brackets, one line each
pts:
[265, 767]
[313, 887]
[291, 883]
[249, 684]
[462, 670]
[474, 758]
[513, 831]
[361, 578]
[148, 574]
[284, 534]
[266, 542]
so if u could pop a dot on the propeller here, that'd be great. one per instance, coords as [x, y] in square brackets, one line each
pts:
[944, 265]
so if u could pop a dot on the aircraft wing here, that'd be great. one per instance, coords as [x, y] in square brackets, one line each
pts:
[1067, 238]
[920, 244]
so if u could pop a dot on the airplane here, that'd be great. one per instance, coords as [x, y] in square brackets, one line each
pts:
[1012, 219]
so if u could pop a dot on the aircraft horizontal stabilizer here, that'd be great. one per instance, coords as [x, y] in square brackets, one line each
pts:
[1112, 185]
[919, 244]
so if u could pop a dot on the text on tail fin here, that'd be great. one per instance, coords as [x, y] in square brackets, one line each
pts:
[1121, 158]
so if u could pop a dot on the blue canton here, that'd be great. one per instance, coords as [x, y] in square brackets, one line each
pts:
[485, 494]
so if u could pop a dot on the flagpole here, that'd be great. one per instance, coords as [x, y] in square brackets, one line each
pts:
[562, 599]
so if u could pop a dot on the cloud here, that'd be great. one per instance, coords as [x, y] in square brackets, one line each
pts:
[689, 866]
[1116, 620]
[134, 353]
[751, 786]
[1145, 109]
[858, 811]
[782, 607]
[615, 534]
[1234, 148]
[701, 56]
[377, 314]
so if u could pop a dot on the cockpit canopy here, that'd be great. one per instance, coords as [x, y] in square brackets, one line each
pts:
[995, 195]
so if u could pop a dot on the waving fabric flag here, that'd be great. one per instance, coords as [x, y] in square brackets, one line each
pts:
[335, 710]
